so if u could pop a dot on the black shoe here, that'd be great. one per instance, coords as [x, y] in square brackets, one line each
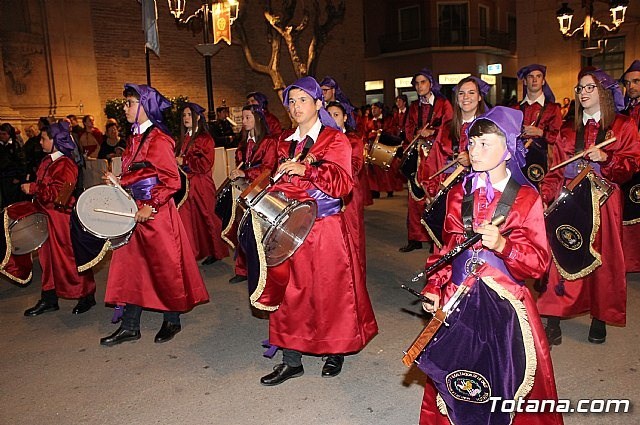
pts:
[167, 332]
[333, 366]
[41, 306]
[237, 279]
[411, 246]
[375, 194]
[209, 260]
[597, 331]
[554, 335]
[281, 373]
[84, 304]
[389, 194]
[120, 336]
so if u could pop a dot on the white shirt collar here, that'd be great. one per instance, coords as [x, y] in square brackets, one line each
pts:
[189, 132]
[586, 117]
[313, 132]
[468, 121]
[144, 126]
[403, 110]
[55, 155]
[539, 100]
[497, 185]
[431, 98]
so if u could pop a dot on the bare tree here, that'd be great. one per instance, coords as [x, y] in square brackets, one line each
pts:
[280, 27]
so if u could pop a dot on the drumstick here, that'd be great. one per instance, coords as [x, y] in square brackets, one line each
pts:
[116, 184]
[307, 146]
[581, 154]
[120, 213]
[445, 168]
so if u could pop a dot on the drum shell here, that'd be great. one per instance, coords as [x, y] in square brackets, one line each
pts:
[31, 223]
[102, 225]
[381, 155]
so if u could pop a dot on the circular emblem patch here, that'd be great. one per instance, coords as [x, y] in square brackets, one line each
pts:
[634, 194]
[465, 385]
[569, 237]
[535, 172]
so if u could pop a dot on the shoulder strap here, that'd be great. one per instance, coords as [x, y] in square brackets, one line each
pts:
[503, 208]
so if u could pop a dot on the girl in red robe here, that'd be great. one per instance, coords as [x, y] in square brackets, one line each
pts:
[156, 269]
[490, 349]
[196, 156]
[258, 152]
[326, 308]
[60, 278]
[600, 290]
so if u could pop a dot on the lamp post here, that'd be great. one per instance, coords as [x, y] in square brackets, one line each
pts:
[618, 8]
[216, 16]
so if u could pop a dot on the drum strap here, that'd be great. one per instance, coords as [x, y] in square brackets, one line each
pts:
[539, 117]
[429, 116]
[305, 149]
[144, 138]
[503, 208]
[581, 142]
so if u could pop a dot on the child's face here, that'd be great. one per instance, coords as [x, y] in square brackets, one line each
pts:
[485, 152]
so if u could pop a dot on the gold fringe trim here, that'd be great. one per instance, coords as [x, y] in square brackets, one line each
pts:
[431, 234]
[595, 204]
[105, 247]
[442, 406]
[186, 189]
[226, 230]
[531, 360]
[631, 222]
[17, 279]
[262, 279]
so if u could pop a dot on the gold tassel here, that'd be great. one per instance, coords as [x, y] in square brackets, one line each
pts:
[431, 234]
[262, 279]
[227, 229]
[105, 247]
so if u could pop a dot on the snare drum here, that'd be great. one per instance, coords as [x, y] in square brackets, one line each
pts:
[114, 228]
[28, 229]
[380, 154]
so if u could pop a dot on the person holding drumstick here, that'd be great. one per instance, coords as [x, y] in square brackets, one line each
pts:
[156, 269]
[326, 308]
[55, 180]
[257, 152]
[196, 156]
[598, 290]
[494, 343]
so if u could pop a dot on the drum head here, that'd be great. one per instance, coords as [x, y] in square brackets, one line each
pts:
[105, 225]
[290, 230]
[28, 233]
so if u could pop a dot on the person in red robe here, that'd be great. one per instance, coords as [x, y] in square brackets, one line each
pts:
[601, 288]
[258, 152]
[196, 156]
[631, 210]
[156, 269]
[273, 123]
[326, 308]
[55, 180]
[426, 116]
[91, 138]
[354, 202]
[542, 119]
[380, 179]
[507, 334]
[451, 144]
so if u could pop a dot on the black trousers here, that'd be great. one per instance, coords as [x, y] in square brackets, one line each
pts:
[132, 313]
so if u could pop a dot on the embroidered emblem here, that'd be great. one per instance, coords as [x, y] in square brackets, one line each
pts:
[472, 265]
[634, 194]
[465, 385]
[535, 172]
[569, 237]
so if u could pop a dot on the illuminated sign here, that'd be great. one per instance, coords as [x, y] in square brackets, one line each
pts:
[451, 78]
[494, 68]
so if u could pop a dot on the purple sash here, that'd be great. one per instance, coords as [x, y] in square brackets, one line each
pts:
[462, 265]
[572, 170]
[326, 204]
[141, 190]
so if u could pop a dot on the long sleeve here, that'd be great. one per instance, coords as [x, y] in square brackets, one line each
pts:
[624, 153]
[51, 179]
[265, 156]
[200, 155]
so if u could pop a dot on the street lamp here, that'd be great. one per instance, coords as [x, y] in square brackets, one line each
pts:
[216, 17]
[618, 8]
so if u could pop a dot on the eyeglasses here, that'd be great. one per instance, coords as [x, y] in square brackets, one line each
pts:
[128, 103]
[589, 88]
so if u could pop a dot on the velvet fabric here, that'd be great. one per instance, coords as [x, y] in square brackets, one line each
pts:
[56, 255]
[603, 293]
[62, 139]
[157, 268]
[198, 215]
[326, 307]
[525, 256]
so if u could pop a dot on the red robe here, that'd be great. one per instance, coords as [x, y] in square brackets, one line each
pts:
[198, 215]
[354, 202]
[273, 124]
[525, 255]
[256, 160]
[550, 121]
[56, 255]
[380, 180]
[441, 114]
[326, 307]
[631, 233]
[156, 269]
[603, 292]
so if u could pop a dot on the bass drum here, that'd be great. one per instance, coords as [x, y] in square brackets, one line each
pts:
[104, 225]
